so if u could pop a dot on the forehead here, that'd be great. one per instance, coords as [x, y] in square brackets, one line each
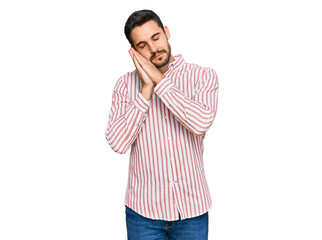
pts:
[145, 31]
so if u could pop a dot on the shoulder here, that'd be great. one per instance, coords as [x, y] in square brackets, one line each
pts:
[209, 73]
[210, 77]
[125, 80]
[202, 69]
[206, 73]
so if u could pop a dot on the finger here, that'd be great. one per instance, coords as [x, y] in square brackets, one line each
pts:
[139, 56]
[131, 53]
[142, 59]
[138, 60]
[137, 64]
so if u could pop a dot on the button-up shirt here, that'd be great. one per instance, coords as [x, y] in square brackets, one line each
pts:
[166, 171]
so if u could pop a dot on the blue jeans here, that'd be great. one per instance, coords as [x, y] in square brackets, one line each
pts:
[141, 228]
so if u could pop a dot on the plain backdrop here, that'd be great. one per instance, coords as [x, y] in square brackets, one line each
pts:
[59, 62]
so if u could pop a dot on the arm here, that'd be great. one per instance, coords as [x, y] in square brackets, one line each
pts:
[125, 118]
[197, 113]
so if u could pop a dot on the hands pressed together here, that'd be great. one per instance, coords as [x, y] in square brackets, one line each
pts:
[148, 73]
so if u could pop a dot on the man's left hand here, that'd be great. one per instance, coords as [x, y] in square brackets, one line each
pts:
[148, 67]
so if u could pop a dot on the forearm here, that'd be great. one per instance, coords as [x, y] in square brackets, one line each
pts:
[147, 92]
[196, 114]
[125, 124]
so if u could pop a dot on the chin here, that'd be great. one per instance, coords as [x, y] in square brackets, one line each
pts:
[161, 60]
[158, 61]
[160, 64]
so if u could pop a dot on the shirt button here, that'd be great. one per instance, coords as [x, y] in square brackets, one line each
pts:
[158, 92]
[166, 117]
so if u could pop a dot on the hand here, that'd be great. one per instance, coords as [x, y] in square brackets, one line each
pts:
[146, 81]
[147, 67]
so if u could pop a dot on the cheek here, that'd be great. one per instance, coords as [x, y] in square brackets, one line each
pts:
[145, 53]
[164, 45]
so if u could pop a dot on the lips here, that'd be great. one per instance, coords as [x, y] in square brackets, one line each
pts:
[157, 55]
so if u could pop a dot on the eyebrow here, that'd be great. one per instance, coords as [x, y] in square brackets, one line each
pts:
[151, 37]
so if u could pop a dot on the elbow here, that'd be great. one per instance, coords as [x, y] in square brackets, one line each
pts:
[120, 151]
[116, 147]
[202, 127]
[199, 132]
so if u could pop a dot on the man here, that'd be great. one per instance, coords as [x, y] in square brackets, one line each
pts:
[162, 110]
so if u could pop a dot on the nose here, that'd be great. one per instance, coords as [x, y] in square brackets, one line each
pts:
[153, 48]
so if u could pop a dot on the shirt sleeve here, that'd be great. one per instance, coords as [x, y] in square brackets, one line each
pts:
[196, 113]
[125, 118]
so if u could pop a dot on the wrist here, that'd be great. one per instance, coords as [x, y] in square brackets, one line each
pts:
[159, 79]
[148, 86]
[147, 91]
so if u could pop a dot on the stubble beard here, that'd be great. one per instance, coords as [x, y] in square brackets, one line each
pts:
[166, 61]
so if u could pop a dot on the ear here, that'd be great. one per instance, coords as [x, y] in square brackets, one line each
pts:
[167, 32]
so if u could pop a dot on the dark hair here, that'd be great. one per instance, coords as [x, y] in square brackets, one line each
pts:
[138, 18]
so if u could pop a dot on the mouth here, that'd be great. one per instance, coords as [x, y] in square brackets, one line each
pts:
[157, 56]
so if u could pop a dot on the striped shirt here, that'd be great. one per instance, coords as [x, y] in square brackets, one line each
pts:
[166, 174]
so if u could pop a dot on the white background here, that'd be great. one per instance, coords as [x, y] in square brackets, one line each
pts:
[59, 61]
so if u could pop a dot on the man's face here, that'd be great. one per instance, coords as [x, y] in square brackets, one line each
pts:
[152, 43]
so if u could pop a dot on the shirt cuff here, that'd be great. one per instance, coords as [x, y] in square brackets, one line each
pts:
[163, 86]
[141, 103]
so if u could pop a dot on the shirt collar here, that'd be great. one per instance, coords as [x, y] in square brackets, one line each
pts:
[177, 63]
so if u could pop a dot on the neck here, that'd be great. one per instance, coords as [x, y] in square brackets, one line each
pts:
[166, 67]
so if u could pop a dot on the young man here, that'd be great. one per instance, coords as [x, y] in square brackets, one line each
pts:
[162, 110]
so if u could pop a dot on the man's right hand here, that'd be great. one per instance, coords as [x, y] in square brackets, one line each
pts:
[147, 84]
